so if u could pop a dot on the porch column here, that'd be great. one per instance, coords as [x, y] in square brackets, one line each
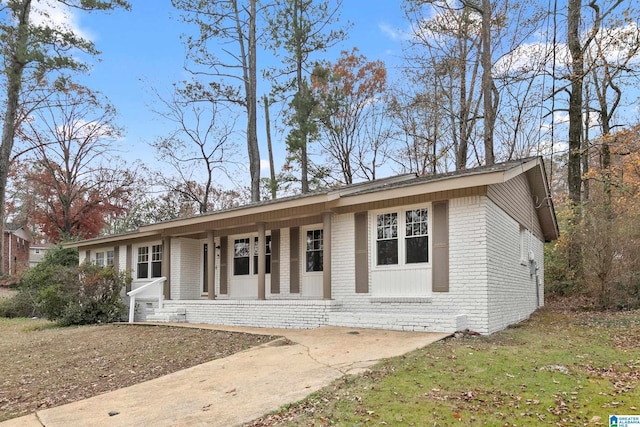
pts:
[166, 266]
[261, 261]
[326, 257]
[211, 268]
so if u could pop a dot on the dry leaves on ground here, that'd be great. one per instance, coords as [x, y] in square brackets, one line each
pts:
[42, 368]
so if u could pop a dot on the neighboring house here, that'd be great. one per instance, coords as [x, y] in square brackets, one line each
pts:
[17, 240]
[37, 251]
[454, 251]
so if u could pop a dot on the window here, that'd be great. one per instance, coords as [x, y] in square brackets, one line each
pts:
[156, 261]
[406, 233]
[100, 259]
[387, 240]
[416, 236]
[110, 258]
[314, 250]
[267, 255]
[241, 257]
[143, 261]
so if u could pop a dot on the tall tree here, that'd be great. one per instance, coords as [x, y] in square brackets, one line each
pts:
[300, 29]
[30, 51]
[78, 181]
[456, 45]
[199, 149]
[449, 40]
[579, 40]
[348, 92]
[225, 50]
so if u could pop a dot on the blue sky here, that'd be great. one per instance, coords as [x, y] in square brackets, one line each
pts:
[142, 49]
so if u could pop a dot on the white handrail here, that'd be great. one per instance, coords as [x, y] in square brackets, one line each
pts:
[132, 295]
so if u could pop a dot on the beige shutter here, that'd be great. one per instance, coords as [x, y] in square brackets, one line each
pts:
[129, 266]
[116, 259]
[440, 244]
[294, 256]
[223, 265]
[275, 261]
[362, 252]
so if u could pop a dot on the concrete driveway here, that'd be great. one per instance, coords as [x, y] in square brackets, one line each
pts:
[241, 387]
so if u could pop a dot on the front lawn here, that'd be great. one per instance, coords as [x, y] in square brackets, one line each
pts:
[558, 368]
[43, 366]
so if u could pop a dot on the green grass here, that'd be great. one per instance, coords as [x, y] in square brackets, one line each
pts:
[564, 369]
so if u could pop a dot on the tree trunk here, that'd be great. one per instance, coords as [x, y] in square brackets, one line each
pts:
[574, 177]
[304, 166]
[252, 100]
[273, 184]
[487, 83]
[14, 85]
[575, 101]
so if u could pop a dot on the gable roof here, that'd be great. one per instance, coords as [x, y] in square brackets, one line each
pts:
[349, 197]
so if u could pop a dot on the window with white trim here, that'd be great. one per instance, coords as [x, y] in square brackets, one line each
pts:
[241, 256]
[402, 237]
[100, 259]
[314, 250]
[267, 253]
[143, 262]
[149, 267]
[156, 261]
[110, 258]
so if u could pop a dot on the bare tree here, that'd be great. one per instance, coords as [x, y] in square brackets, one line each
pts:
[78, 180]
[199, 149]
[224, 50]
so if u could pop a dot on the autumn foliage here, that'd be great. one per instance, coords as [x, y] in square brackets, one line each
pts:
[606, 228]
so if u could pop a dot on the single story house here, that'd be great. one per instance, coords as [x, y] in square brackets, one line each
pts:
[448, 252]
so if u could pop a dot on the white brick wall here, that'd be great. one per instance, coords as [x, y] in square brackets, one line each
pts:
[512, 289]
[186, 268]
[301, 314]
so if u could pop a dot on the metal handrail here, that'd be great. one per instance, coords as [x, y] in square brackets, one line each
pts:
[132, 295]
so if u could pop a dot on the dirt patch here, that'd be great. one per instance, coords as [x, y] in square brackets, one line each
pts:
[42, 367]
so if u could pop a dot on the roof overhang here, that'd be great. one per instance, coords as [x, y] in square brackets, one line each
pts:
[341, 199]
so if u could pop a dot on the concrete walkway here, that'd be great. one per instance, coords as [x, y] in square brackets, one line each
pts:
[241, 387]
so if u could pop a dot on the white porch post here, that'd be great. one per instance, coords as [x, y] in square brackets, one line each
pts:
[326, 257]
[261, 261]
[211, 268]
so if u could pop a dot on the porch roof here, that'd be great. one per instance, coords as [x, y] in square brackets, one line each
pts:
[396, 190]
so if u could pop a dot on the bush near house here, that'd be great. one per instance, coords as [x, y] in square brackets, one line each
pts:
[66, 293]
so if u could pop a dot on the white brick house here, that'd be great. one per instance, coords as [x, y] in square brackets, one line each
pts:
[455, 251]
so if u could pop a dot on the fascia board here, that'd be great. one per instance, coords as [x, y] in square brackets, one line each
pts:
[232, 213]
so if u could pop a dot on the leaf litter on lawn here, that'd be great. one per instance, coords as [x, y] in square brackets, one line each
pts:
[560, 368]
[43, 366]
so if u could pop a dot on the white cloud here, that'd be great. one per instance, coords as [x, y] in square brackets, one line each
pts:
[389, 31]
[264, 165]
[52, 13]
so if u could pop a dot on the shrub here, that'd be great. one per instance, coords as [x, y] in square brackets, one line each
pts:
[91, 295]
[66, 293]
